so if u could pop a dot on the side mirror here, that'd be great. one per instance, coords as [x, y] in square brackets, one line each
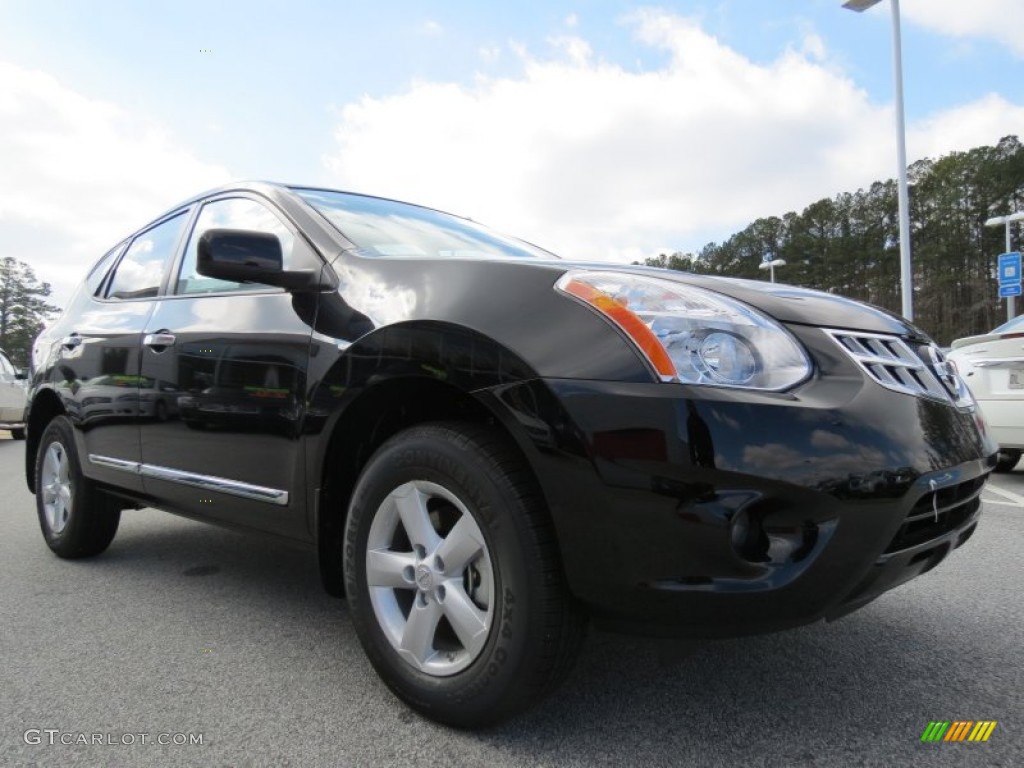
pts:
[242, 256]
[21, 375]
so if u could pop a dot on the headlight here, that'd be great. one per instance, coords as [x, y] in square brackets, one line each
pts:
[692, 335]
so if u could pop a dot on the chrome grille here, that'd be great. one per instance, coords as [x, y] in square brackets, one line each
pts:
[891, 362]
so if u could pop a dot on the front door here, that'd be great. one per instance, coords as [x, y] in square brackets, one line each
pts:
[223, 386]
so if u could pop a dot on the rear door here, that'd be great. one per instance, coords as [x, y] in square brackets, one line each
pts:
[98, 368]
[223, 382]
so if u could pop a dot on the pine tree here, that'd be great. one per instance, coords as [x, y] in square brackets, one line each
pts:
[23, 308]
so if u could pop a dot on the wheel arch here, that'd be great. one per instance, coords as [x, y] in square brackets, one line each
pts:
[46, 404]
[394, 379]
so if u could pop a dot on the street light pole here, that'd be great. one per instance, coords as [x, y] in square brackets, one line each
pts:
[906, 272]
[770, 264]
[996, 221]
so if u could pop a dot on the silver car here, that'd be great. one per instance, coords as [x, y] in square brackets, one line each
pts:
[13, 396]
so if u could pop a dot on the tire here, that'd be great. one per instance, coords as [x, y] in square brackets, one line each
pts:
[18, 434]
[77, 520]
[483, 636]
[1007, 460]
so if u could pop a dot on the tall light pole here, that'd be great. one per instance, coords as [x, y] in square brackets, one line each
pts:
[906, 275]
[767, 262]
[996, 221]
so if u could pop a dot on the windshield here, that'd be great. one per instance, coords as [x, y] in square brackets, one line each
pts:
[388, 228]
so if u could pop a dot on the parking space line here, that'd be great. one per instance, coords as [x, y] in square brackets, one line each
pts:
[1005, 494]
[1000, 503]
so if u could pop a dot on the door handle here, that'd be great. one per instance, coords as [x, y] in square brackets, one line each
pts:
[72, 341]
[157, 341]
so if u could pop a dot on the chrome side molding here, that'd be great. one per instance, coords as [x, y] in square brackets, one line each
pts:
[206, 482]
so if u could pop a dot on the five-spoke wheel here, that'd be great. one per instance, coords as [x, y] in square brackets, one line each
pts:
[77, 519]
[453, 577]
[56, 486]
[430, 578]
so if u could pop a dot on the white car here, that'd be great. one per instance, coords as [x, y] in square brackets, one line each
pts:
[13, 396]
[993, 367]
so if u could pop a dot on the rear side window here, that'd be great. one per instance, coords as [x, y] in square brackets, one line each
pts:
[141, 270]
[99, 269]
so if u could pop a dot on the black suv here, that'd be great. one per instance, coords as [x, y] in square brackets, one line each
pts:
[488, 447]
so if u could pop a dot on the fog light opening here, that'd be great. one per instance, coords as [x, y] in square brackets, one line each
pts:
[748, 537]
[791, 544]
[759, 542]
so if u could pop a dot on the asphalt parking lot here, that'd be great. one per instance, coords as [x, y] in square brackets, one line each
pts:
[182, 630]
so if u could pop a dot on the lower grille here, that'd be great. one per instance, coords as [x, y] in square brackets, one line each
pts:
[937, 513]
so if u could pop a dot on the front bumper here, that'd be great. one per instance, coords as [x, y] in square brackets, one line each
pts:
[12, 418]
[712, 512]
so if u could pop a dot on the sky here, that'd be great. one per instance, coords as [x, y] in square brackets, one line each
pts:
[600, 130]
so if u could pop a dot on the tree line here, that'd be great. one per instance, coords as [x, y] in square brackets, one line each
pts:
[849, 244]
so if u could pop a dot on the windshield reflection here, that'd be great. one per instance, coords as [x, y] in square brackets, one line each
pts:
[387, 228]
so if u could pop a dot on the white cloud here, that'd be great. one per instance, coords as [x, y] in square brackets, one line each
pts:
[596, 161]
[489, 54]
[999, 20]
[79, 174]
[983, 121]
[431, 28]
[828, 440]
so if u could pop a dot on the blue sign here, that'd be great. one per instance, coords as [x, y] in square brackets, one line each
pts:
[1009, 290]
[1009, 270]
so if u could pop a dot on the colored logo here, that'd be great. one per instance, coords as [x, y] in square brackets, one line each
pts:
[958, 730]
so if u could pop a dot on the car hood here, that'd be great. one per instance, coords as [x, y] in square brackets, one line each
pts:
[785, 303]
[390, 276]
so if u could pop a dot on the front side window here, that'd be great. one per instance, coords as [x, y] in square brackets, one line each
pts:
[232, 213]
[387, 228]
[141, 270]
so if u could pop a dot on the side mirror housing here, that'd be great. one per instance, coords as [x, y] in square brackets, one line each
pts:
[21, 375]
[242, 256]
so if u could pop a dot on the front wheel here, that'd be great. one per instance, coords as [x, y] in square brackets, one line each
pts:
[18, 434]
[453, 576]
[1007, 460]
[77, 520]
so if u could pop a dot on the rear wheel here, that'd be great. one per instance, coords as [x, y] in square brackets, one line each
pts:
[77, 520]
[454, 581]
[1007, 460]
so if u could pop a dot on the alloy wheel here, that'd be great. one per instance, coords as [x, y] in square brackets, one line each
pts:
[430, 578]
[56, 487]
